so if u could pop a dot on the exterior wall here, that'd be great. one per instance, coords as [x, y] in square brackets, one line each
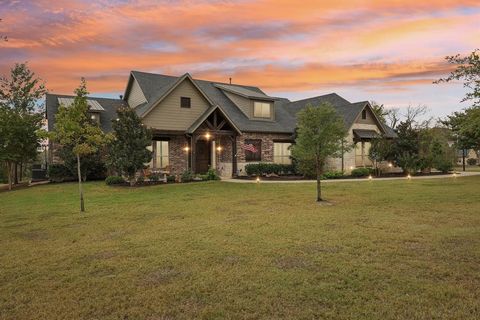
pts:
[246, 106]
[369, 120]
[168, 115]
[224, 156]
[178, 157]
[135, 96]
[267, 147]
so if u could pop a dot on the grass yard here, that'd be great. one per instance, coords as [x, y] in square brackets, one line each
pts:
[215, 250]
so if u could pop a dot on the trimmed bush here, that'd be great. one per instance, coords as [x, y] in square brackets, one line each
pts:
[154, 177]
[187, 176]
[472, 162]
[212, 175]
[262, 168]
[361, 172]
[332, 175]
[59, 173]
[170, 179]
[444, 165]
[112, 180]
[141, 179]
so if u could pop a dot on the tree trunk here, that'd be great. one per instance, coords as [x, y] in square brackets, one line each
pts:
[319, 186]
[15, 181]
[10, 175]
[82, 206]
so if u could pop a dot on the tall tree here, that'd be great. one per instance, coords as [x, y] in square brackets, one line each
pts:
[75, 128]
[128, 152]
[3, 37]
[320, 135]
[380, 111]
[468, 70]
[20, 117]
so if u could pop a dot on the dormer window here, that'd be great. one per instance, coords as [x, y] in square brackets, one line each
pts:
[185, 102]
[262, 109]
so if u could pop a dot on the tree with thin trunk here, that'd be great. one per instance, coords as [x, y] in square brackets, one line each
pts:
[320, 135]
[74, 127]
[20, 118]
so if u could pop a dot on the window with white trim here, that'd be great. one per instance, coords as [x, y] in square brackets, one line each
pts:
[282, 153]
[261, 109]
[160, 154]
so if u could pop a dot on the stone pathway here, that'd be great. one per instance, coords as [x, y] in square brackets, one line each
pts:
[440, 176]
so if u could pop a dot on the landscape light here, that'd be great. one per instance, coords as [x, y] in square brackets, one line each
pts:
[258, 179]
[370, 177]
[409, 176]
[454, 174]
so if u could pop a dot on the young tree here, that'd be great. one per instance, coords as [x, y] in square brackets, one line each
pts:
[128, 151]
[320, 134]
[74, 127]
[380, 150]
[20, 117]
[468, 70]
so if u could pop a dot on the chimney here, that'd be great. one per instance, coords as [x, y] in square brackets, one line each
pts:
[230, 80]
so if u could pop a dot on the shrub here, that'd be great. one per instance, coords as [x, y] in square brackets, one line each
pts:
[170, 179]
[187, 176]
[212, 175]
[112, 180]
[332, 175]
[361, 172]
[59, 173]
[471, 162]
[141, 179]
[154, 177]
[262, 168]
[444, 165]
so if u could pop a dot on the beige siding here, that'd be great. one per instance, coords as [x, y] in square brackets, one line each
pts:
[168, 115]
[136, 96]
[246, 106]
[370, 118]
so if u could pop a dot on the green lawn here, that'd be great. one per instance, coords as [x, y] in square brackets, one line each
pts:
[383, 250]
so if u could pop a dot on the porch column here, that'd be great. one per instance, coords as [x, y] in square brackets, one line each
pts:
[213, 155]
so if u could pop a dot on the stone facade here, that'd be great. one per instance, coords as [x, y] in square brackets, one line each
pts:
[267, 139]
[178, 156]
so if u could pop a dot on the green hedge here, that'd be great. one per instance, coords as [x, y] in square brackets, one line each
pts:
[259, 169]
[112, 180]
[361, 172]
[59, 173]
[332, 175]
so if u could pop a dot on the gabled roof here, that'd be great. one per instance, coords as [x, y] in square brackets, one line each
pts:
[244, 92]
[163, 92]
[110, 107]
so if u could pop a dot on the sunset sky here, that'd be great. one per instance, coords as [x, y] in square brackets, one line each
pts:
[387, 51]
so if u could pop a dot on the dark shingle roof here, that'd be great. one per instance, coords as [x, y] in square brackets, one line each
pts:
[109, 105]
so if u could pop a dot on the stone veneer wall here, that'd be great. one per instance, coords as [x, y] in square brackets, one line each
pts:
[178, 157]
[267, 147]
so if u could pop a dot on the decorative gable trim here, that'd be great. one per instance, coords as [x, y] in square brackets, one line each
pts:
[207, 113]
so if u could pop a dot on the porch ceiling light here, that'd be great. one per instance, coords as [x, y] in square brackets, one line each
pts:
[207, 135]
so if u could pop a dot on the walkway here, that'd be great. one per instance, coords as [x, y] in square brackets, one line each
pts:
[440, 176]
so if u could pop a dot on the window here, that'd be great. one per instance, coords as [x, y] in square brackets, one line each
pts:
[253, 150]
[261, 109]
[281, 152]
[185, 102]
[95, 116]
[364, 114]
[160, 154]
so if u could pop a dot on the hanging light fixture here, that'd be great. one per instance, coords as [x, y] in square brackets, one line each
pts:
[207, 135]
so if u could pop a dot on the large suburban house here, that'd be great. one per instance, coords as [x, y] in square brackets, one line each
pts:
[200, 124]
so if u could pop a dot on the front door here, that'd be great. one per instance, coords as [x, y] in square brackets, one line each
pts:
[202, 156]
